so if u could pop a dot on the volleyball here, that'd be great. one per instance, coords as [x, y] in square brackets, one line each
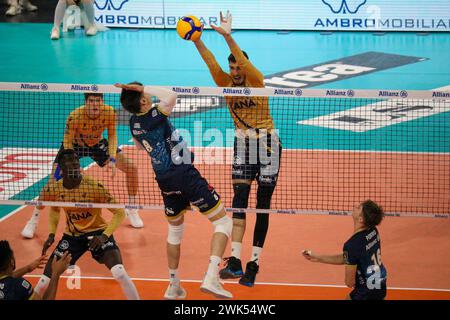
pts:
[189, 28]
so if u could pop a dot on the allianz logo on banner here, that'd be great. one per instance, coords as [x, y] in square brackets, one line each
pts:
[375, 15]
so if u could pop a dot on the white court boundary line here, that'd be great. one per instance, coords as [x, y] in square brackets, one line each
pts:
[233, 282]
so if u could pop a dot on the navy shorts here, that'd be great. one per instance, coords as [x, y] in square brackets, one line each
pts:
[257, 158]
[186, 187]
[78, 245]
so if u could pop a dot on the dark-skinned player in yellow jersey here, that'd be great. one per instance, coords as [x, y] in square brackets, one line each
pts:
[254, 129]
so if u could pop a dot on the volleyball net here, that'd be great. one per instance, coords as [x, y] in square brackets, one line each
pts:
[339, 147]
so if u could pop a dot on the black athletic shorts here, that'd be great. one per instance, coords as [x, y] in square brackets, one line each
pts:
[99, 152]
[257, 158]
[78, 245]
[185, 187]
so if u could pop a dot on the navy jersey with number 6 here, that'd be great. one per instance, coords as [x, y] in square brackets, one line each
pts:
[161, 140]
[363, 249]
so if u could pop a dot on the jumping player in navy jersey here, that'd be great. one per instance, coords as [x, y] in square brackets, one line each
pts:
[180, 183]
[364, 270]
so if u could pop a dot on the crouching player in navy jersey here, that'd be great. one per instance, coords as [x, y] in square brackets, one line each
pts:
[179, 181]
[364, 271]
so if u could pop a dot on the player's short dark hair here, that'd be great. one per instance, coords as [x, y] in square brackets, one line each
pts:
[6, 255]
[131, 100]
[63, 153]
[92, 94]
[372, 213]
[232, 59]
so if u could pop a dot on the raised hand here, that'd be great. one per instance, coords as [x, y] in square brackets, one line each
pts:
[225, 24]
[307, 254]
[59, 266]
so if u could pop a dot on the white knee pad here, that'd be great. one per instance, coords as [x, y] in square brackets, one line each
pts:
[224, 225]
[175, 234]
[118, 272]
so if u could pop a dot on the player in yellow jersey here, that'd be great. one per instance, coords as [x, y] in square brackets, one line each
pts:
[84, 129]
[254, 129]
[85, 229]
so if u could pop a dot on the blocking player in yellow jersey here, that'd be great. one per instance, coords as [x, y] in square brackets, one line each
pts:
[84, 134]
[86, 230]
[254, 129]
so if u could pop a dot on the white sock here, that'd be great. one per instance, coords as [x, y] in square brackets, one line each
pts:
[59, 13]
[128, 287]
[173, 276]
[35, 215]
[256, 252]
[42, 285]
[213, 268]
[236, 249]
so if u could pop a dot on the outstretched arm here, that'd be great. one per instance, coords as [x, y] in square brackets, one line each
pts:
[58, 268]
[38, 263]
[254, 76]
[329, 259]
[168, 98]
[221, 78]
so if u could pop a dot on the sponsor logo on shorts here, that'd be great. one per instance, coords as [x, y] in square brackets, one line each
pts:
[265, 179]
[197, 202]
[107, 244]
[169, 211]
[237, 160]
[58, 253]
[64, 245]
[171, 192]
